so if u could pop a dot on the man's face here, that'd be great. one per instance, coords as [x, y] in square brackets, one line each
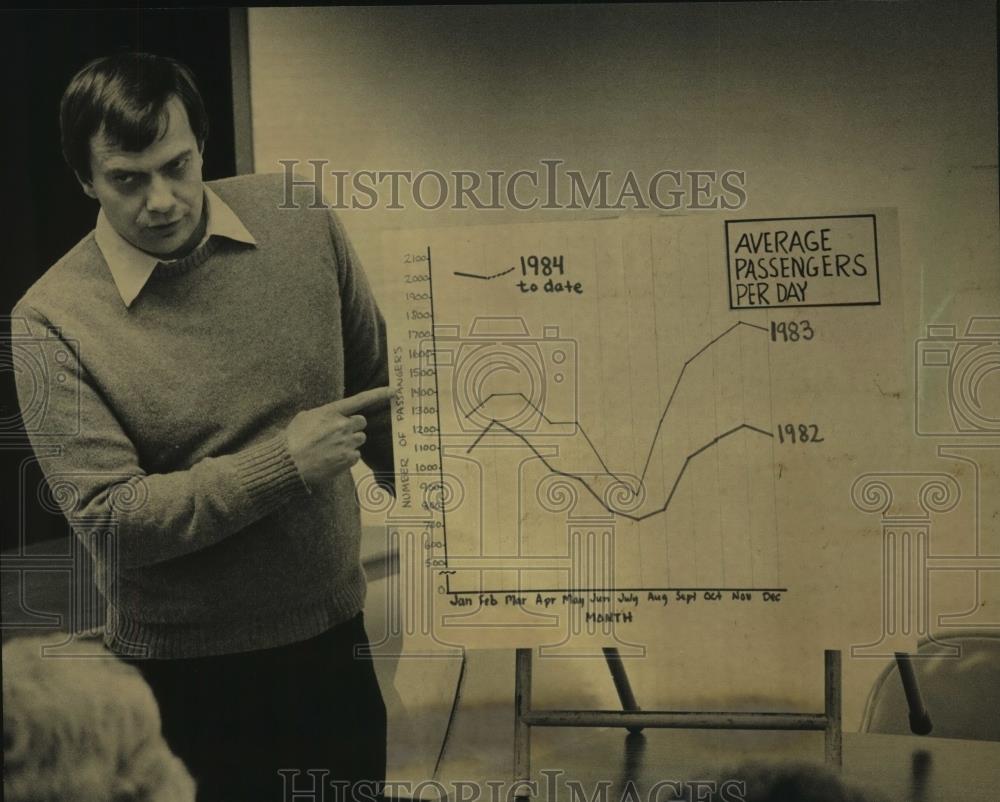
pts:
[153, 197]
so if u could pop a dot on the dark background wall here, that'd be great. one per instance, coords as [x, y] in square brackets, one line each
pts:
[47, 213]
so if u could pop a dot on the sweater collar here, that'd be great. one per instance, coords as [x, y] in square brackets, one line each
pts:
[131, 268]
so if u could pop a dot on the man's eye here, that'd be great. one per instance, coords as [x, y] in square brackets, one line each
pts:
[123, 179]
[179, 165]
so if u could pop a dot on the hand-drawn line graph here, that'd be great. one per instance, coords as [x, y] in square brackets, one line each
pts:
[598, 431]
[619, 507]
[633, 501]
[498, 427]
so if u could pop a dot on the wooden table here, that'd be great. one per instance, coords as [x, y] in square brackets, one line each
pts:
[910, 768]
[905, 768]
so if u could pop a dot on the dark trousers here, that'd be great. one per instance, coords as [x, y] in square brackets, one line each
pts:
[299, 722]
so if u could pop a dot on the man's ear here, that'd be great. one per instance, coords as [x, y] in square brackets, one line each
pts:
[88, 186]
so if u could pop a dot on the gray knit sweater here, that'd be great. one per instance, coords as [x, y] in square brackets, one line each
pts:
[168, 419]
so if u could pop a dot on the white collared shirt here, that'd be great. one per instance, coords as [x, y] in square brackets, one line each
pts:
[131, 268]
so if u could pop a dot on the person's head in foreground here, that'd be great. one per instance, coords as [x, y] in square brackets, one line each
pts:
[84, 728]
[133, 128]
[782, 782]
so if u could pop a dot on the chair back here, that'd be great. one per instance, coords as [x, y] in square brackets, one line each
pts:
[961, 693]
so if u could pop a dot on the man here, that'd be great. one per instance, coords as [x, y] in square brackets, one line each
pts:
[215, 352]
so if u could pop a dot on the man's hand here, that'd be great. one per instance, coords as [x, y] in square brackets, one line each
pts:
[325, 440]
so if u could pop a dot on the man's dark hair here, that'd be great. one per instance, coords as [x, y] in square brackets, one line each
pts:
[124, 97]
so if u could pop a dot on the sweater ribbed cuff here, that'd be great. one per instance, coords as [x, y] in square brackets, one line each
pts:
[268, 474]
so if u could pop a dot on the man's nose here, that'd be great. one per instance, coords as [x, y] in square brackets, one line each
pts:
[160, 196]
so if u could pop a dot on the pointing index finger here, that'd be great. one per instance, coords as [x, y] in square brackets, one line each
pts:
[364, 399]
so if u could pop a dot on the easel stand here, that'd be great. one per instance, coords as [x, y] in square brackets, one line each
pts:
[632, 718]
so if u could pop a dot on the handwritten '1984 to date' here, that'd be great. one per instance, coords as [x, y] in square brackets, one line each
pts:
[552, 270]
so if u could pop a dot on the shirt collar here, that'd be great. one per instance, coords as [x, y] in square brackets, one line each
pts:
[131, 268]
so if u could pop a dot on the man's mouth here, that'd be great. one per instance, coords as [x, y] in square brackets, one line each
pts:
[165, 228]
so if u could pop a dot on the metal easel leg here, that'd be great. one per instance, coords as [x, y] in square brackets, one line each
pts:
[833, 705]
[522, 730]
[622, 685]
